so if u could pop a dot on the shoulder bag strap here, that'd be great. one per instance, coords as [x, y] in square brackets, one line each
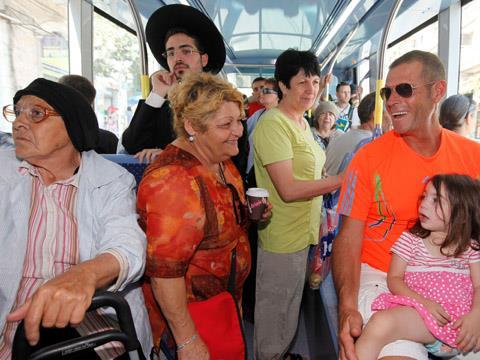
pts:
[208, 205]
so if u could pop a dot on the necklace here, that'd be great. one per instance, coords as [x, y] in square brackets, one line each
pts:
[221, 174]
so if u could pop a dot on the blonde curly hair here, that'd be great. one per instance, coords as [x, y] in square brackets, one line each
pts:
[197, 98]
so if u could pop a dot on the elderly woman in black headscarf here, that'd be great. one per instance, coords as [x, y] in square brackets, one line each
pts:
[69, 225]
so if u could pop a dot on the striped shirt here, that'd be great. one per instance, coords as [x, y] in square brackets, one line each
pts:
[52, 248]
[413, 251]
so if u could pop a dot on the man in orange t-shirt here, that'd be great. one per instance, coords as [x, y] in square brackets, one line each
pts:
[381, 189]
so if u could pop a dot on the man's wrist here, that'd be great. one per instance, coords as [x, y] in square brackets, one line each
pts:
[155, 100]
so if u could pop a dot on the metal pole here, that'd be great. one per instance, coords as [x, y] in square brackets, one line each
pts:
[377, 131]
[334, 58]
[383, 41]
[341, 47]
[144, 78]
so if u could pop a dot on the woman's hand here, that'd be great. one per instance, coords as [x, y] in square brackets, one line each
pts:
[267, 213]
[195, 350]
[468, 337]
[437, 311]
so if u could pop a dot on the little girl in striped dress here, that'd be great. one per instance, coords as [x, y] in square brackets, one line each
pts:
[434, 275]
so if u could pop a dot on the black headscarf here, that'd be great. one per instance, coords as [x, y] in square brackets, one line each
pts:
[76, 112]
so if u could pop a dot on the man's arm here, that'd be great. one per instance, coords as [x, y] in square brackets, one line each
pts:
[64, 299]
[346, 276]
[142, 132]
[151, 125]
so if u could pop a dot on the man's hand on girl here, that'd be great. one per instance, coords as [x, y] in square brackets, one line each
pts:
[468, 338]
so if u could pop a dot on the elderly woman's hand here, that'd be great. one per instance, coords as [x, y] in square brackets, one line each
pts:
[59, 302]
[267, 213]
[196, 350]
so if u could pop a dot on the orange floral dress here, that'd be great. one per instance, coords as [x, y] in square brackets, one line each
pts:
[192, 228]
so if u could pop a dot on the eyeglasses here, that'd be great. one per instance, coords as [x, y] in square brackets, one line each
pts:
[34, 114]
[266, 91]
[184, 50]
[405, 90]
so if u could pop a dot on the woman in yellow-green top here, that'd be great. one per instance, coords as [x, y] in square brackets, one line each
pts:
[288, 163]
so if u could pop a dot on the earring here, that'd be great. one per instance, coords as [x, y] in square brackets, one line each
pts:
[191, 138]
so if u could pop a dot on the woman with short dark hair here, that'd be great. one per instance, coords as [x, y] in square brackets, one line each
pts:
[288, 163]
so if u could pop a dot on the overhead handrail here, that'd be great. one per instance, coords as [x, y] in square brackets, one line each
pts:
[144, 78]
[380, 83]
[336, 53]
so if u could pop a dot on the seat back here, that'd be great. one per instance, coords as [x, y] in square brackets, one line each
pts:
[130, 163]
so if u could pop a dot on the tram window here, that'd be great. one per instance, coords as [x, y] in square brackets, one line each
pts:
[469, 80]
[34, 43]
[425, 39]
[116, 68]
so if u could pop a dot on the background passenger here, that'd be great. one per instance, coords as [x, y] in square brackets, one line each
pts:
[288, 163]
[348, 116]
[324, 122]
[69, 225]
[254, 103]
[345, 144]
[458, 113]
[107, 141]
[192, 206]
[269, 99]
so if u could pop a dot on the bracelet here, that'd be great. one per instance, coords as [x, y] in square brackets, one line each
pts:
[187, 342]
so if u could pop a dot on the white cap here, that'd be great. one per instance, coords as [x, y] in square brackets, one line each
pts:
[257, 192]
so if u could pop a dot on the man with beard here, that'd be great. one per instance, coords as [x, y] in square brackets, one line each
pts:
[182, 39]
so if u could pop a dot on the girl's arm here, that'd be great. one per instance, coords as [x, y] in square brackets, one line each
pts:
[397, 286]
[468, 337]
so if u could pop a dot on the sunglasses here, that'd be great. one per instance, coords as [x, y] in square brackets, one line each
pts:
[266, 90]
[404, 90]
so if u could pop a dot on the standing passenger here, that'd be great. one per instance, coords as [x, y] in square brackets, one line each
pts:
[324, 123]
[183, 40]
[191, 204]
[254, 103]
[288, 163]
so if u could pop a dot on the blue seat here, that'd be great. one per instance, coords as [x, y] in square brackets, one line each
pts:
[130, 163]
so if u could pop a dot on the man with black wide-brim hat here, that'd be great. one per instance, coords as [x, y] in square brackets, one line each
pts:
[182, 39]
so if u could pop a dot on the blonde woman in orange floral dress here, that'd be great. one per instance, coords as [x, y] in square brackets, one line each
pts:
[191, 204]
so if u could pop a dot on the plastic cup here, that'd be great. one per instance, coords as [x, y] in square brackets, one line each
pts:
[257, 202]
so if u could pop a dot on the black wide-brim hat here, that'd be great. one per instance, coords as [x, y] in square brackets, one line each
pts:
[192, 20]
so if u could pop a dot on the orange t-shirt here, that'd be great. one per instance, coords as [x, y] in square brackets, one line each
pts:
[384, 181]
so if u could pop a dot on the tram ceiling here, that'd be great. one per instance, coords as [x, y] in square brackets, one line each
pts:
[257, 31]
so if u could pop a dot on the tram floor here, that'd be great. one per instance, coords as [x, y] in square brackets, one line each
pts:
[313, 340]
